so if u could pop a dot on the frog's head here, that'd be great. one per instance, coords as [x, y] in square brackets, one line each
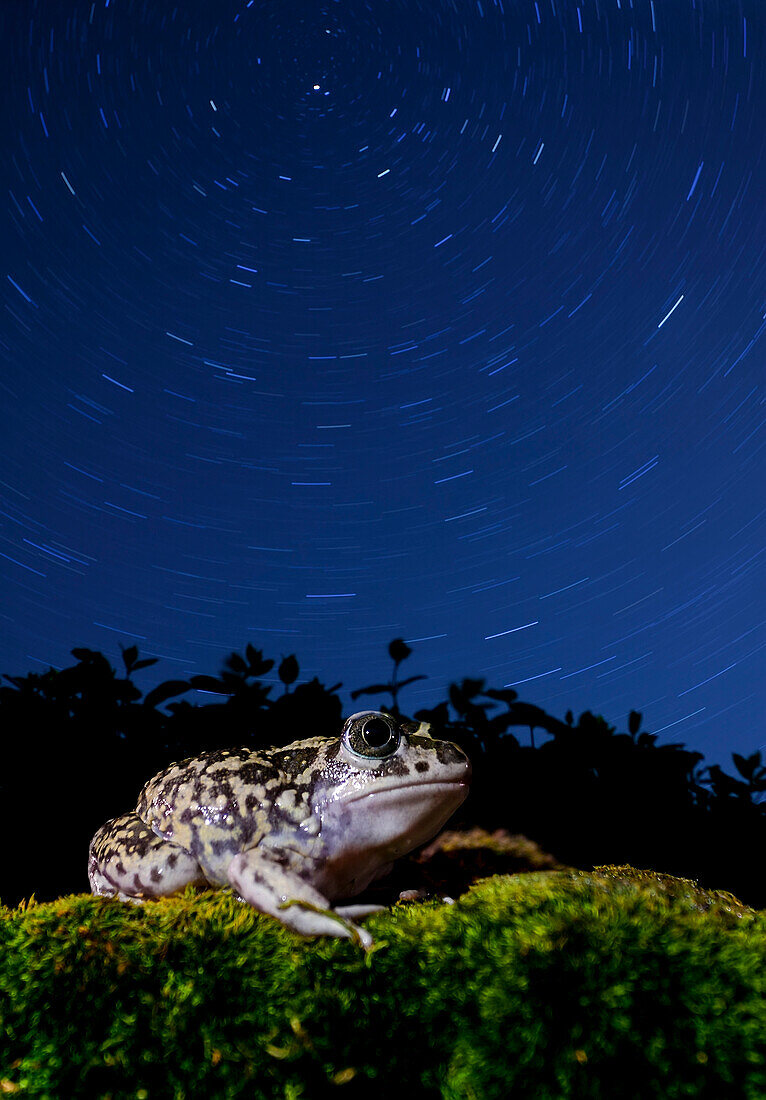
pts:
[385, 787]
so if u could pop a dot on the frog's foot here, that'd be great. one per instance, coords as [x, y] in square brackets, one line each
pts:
[266, 881]
[128, 860]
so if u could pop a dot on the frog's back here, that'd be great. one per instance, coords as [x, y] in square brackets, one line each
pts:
[213, 805]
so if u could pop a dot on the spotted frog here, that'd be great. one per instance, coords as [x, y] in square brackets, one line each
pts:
[291, 829]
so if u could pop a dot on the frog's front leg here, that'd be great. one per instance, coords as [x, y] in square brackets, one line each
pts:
[128, 860]
[264, 878]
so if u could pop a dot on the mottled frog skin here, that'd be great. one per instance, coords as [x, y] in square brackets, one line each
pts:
[291, 829]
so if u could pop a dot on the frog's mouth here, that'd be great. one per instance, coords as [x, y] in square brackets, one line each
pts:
[381, 821]
[418, 787]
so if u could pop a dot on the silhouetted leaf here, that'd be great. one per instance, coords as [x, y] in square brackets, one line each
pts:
[236, 684]
[288, 670]
[462, 693]
[741, 763]
[634, 722]
[209, 683]
[182, 708]
[83, 654]
[747, 765]
[499, 723]
[470, 687]
[129, 657]
[165, 691]
[373, 689]
[436, 716]
[144, 663]
[257, 665]
[726, 786]
[527, 714]
[237, 664]
[398, 650]
[506, 695]
[411, 680]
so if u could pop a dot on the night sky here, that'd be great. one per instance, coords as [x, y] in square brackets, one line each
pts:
[328, 323]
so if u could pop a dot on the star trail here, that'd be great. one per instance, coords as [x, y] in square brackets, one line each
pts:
[328, 323]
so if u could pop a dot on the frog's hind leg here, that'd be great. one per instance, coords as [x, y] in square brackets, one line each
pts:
[128, 860]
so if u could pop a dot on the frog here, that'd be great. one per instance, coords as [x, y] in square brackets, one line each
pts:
[292, 830]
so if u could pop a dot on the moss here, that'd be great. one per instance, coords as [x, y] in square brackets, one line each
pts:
[545, 985]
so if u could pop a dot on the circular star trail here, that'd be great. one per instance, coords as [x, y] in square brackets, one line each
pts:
[324, 324]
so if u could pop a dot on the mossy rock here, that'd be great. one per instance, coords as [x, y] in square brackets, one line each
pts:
[537, 986]
[457, 858]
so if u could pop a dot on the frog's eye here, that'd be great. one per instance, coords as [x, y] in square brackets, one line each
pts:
[371, 734]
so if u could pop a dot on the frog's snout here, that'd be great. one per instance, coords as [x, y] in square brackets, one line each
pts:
[468, 770]
[453, 757]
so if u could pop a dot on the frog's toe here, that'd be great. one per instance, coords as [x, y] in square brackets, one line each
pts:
[358, 912]
[128, 860]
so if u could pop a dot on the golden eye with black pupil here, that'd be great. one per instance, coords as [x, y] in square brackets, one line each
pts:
[372, 735]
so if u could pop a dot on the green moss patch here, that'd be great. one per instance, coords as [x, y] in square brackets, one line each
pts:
[542, 986]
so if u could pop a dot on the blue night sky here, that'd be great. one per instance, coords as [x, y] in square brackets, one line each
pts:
[328, 323]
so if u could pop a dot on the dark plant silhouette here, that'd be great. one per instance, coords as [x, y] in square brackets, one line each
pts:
[753, 772]
[398, 651]
[288, 672]
[80, 742]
